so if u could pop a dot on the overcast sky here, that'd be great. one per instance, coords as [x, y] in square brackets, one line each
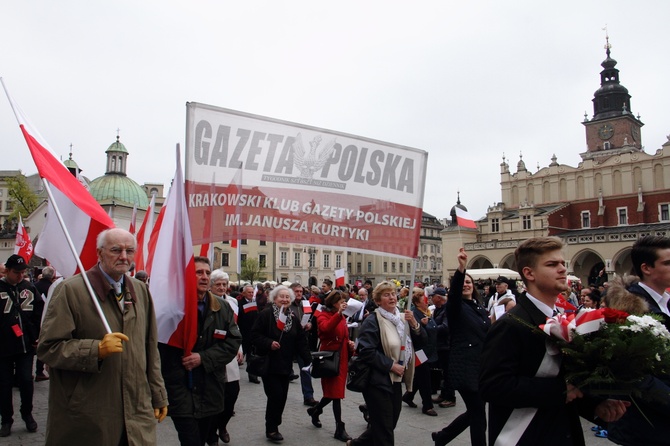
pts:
[465, 81]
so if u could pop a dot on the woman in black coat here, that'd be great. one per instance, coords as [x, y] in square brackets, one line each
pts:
[468, 323]
[281, 344]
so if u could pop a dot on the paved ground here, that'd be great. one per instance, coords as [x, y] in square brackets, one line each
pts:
[247, 427]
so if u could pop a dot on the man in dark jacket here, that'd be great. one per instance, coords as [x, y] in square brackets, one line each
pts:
[447, 396]
[529, 401]
[19, 331]
[246, 317]
[651, 262]
[195, 383]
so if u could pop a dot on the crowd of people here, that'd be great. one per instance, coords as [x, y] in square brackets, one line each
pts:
[434, 341]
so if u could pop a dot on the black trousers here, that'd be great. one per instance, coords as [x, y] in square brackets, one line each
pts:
[384, 409]
[447, 390]
[421, 384]
[276, 389]
[23, 364]
[474, 417]
[192, 431]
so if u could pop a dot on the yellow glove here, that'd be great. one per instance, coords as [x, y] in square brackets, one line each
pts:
[111, 343]
[160, 413]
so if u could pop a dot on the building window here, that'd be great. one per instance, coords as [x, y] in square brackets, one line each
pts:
[296, 259]
[358, 267]
[338, 261]
[409, 268]
[369, 267]
[664, 212]
[386, 267]
[392, 267]
[438, 249]
[622, 213]
[400, 264]
[526, 221]
[312, 259]
[283, 258]
[348, 266]
[263, 243]
[225, 259]
[326, 261]
[495, 225]
[261, 260]
[243, 257]
[244, 241]
[586, 219]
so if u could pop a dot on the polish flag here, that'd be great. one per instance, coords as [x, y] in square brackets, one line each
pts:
[306, 307]
[133, 220]
[251, 306]
[236, 311]
[220, 334]
[588, 321]
[420, 357]
[464, 219]
[83, 217]
[23, 246]
[143, 236]
[561, 302]
[173, 283]
[319, 309]
[339, 277]
[281, 320]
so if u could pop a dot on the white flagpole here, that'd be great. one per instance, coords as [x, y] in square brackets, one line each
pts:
[76, 256]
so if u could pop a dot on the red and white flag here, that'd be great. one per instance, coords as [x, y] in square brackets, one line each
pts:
[133, 220]
[172, 269]
[339, 277]
[281, 320]
[83, 217]
[464, 219]
[23, 246]
[251, 306]
[143, 236]
[420, 357]
[319, 309]
[220, 334]
[306, 307]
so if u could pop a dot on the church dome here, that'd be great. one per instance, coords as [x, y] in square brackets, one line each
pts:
[120, 189]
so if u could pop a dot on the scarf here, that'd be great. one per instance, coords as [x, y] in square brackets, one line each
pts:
[289, 319]
[400, 325]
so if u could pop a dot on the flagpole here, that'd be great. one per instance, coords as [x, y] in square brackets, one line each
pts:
[76, 256]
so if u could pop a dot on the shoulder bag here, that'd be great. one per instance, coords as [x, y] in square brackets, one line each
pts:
[325, 364]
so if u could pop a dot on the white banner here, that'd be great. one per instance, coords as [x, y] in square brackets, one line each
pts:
[254, 177]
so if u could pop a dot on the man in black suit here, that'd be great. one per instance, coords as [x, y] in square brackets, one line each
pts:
[651, 261]
[530, 402]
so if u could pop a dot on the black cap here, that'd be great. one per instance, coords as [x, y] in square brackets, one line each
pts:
[502, 279]
[16, 262]
[440, 291]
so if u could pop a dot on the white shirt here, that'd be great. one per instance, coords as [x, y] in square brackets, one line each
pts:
[544, 308]
[662, 301]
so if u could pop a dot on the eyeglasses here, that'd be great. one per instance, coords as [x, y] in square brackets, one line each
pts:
[117, 251]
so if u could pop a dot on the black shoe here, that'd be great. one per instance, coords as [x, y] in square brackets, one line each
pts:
[364, 410]
[6, 429]
[225, 437]
[430, 412]
[314, 412]
[31, 424]
[407, 398]
[254, 379]
[293, 377]
[341, 434]
[311, 402]
[275, 437]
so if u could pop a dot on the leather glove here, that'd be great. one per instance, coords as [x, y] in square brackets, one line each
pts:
[160, 413]
[110, 344]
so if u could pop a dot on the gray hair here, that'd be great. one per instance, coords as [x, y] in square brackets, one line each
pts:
[218, 274]
[277, 289]
[102, 237]
[48, 273]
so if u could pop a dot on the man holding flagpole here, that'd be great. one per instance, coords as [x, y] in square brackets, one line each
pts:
[105, 388]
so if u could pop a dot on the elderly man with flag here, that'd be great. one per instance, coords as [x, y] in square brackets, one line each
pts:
[106, 388]
[195, 381]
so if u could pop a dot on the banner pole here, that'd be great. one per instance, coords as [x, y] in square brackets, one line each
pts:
[76, 256]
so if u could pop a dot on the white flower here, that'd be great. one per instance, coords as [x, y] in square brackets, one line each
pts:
[658, 357]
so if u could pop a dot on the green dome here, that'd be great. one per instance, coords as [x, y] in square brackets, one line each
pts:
[71, 164]
[120, 189]
[116, 146]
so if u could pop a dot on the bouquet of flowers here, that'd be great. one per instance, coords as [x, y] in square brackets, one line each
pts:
[610, 351]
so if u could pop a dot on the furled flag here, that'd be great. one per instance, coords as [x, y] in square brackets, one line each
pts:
[464, 219]
[133, 220]
[23, 245]
[251, 306]
[339, 277]
[281, 320]
[420, 357]
[82, 216]
[143, 236]
[173, 283]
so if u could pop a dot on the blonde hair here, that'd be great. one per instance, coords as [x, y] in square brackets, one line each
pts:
[619, 298]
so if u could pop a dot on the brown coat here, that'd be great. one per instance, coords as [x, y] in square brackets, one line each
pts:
[92, 401]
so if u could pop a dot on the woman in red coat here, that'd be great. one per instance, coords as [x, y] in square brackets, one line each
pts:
[334, 336]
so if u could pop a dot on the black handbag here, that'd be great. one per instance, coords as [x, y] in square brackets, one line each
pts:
[258, 364]
[325, 364]
[358, 375]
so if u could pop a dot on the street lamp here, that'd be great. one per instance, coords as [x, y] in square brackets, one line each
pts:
[310, 262]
